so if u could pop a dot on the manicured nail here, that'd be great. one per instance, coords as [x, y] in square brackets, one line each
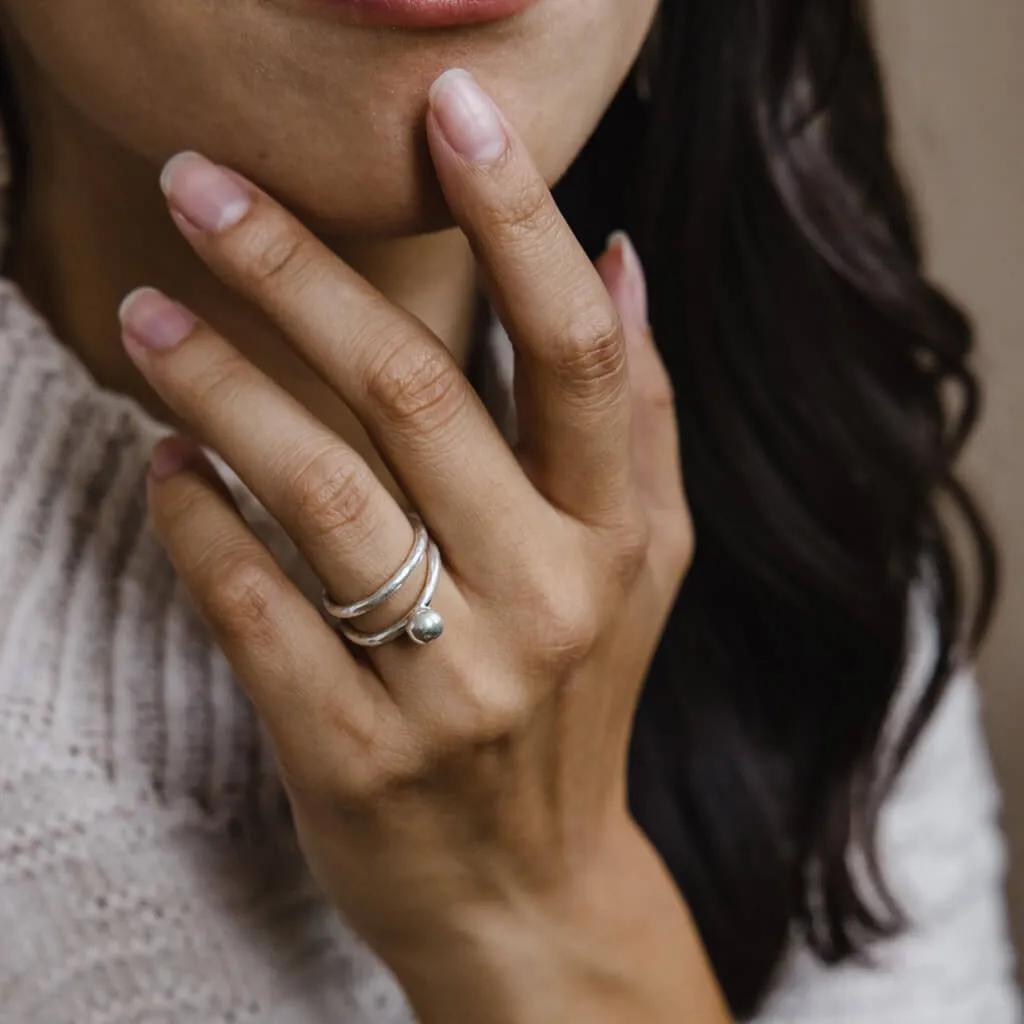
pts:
[203, 192]
[468, 117]
[171, 455]
[153, 320]
[631, 289]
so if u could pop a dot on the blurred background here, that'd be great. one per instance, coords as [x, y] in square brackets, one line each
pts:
[956, 77]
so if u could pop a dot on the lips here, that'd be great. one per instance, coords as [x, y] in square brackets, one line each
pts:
[424, 13]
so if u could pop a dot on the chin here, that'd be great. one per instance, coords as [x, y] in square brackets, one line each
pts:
[383, 186]
[407, 200]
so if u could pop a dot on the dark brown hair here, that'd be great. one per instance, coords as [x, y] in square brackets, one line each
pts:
[811, 360]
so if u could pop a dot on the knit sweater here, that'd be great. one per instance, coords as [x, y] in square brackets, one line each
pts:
[148, 871]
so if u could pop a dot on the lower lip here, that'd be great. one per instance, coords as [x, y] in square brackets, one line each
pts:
[426, 13]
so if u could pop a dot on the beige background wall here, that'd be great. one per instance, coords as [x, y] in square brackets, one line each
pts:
[956, 71]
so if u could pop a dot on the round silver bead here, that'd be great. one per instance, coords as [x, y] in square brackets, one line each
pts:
[425, 626]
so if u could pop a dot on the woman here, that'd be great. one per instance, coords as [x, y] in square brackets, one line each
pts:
[589, 771]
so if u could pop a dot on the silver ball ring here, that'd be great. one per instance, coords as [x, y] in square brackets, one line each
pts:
[421, 624]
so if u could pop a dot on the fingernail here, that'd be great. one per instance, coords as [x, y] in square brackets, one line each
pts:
[154, 320]
[203, 192]
[171, 455]
[632, 289]
[468, 117]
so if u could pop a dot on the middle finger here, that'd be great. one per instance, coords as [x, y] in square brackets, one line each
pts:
[399, 380]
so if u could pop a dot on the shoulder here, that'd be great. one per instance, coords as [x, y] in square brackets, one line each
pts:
[944, 858]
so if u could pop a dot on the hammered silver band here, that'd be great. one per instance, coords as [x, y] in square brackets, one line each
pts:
[421, 624]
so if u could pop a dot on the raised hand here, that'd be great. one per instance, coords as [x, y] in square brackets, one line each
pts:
[463, 803]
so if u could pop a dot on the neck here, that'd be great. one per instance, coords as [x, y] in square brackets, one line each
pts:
[95, 225]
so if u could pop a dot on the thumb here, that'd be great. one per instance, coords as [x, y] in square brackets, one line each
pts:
[655, 436]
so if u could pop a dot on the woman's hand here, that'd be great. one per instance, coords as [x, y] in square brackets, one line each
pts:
[462, 803]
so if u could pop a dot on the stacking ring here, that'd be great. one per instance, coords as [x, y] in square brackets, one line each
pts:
[422, 624]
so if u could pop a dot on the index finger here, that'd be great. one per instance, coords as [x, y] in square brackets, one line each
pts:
[386, 366]
[572, 386]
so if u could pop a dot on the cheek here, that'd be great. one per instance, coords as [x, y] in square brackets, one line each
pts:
[326, 117]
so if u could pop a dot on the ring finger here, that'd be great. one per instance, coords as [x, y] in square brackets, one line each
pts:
[341, 517]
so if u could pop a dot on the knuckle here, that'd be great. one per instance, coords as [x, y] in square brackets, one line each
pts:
[567, 619]
[362, 780]
[326, 785]
[331, 493]
[572, 636]
[361, 761]
[679, 544]
[385, 769]
[420, 384]
[487, 713]
[219, 381]
[275, 257]
[631, 548]
[503, 713]
[174, 515]
[240, 599]
[590, 348]
[361, 788]
[529, 209]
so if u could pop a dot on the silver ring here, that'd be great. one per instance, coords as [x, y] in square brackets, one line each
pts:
[421, 624]
[390, 586]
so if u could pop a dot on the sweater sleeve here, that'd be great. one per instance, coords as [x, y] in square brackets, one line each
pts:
[944, 859]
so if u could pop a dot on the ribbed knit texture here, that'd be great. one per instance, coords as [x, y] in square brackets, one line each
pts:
[148, 872]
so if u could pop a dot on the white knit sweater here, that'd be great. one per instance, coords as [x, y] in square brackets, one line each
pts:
[147, 871]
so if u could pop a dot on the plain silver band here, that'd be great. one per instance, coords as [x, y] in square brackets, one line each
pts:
[357, 636]
[379, 596]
